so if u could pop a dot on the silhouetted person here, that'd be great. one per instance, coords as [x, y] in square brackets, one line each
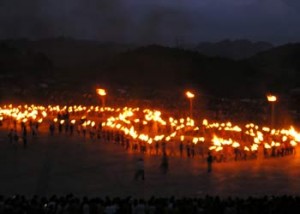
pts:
[52, 129]
[71, 128]
[24, 137]
[193, 150]
[11, 136]
[181, 149]
[188, 150]
[164, 163]
[140, 171]
[60, 127]
[209, 161]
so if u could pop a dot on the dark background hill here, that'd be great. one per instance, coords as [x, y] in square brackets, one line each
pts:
[162, 67]
[233, 49]
[279, 67]
[41, 68]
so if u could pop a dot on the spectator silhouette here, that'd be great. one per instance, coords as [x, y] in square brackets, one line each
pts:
[209, 161]
[140, 171]
[164, 163]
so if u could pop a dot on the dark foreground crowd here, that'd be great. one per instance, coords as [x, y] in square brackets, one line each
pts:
[71, 204]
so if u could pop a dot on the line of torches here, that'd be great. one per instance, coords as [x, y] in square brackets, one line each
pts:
[150, 126]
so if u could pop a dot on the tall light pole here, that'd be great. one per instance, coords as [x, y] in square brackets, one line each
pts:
[272, 99]
[102, 93]
[190, 96]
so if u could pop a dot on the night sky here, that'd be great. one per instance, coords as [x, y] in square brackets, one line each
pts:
[152, 21]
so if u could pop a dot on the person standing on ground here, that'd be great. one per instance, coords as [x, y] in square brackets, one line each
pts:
[16, 137]
[51, 128]
[181, 149]
[209, 161]
[11, 136]
[140, 171]
[164, 163]
[24, 137]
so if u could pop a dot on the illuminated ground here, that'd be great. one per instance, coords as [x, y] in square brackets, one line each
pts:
[61, 165]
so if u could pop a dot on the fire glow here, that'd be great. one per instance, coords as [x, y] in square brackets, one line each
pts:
[151, 125]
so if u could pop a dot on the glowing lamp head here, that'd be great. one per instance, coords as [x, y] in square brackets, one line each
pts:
[101, 91]
[189, 95]
[271, 98]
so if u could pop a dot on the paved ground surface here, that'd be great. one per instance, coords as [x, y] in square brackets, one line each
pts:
[61, 165]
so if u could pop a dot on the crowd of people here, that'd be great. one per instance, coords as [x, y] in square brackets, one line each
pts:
[75, 123]
[175, 147]
[71, 204]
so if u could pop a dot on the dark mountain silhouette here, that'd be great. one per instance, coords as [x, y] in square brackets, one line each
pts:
[15, 59]
[279, 67]
[78, 66]
[67, 53]
[161, 67]
[236, 49]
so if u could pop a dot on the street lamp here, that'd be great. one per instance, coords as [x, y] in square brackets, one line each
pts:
[272, 99]
[190, 96]
[102, 93]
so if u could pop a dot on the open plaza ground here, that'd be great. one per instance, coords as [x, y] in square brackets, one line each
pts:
[62, 164]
